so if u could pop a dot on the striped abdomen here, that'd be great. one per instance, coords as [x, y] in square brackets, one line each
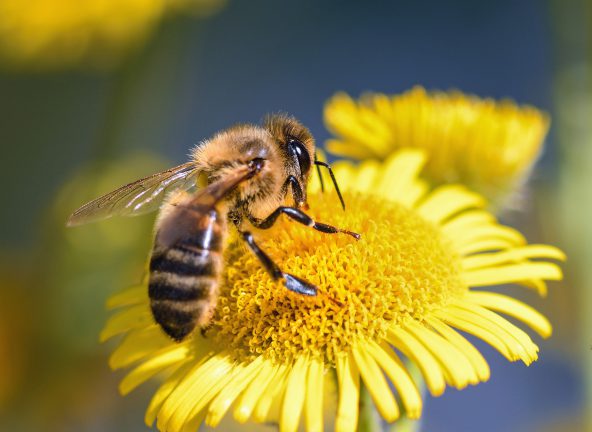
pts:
[184, 276]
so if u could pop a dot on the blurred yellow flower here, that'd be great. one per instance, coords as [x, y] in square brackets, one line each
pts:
[406, 287]
[61, 33]
[487, 145]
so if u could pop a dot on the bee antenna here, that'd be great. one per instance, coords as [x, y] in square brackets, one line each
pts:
[326, 165]
[319, 173]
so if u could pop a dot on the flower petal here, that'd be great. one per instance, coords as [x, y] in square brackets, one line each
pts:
[313, 406]
[484, 333]
[128, 297]
[486, 245]
[426, 362]
[487, 232]
[164, 391]
[376, 384]
[250, 397]
[511, 256]
[458, 369]
[245, 373]
[474, 356]
[467, 220]
[399, 174]
[130, 318]
[275, 388]
[512, 273]
[156, 363]
[349, 394]
[366, 176]
[393, 367]
[294, 396]
[198, 387]
[514, 308]
[447, 200]
[136, 345]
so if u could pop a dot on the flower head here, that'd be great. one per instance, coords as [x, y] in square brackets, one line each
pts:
[489, 146]
[406, 288]
[58, 33]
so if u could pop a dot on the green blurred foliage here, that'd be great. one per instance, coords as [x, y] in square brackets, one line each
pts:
[52, 305]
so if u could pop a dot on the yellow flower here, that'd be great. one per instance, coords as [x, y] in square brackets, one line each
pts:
[407, 287]
[487, 145]
[58, 33]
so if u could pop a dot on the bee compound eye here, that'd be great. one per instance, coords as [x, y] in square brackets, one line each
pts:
[296, 148]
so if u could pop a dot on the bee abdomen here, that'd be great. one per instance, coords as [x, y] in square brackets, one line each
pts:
[182, 288]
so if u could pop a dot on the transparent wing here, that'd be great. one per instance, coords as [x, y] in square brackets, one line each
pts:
[142, 196]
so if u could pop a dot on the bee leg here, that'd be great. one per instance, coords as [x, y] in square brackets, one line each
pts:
[293, 283]
[299, 216]
[296, 190]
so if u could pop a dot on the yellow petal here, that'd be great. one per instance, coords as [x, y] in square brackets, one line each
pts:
[487, 245]
[130, 296]
[487, 232]
[389, 362]
[349, 394]
[156, 363]
[458, 368]
[514, 308]
[479, 363]
[519, 346]
[512, 255]
[313, 406]
[538, 285]
[164, 391]
[414, 193]
[376, 384]
[138, 344]
[426, 362]
[244, 375]
[127, 319]
[399, 172]
[348, 149]
[445, 201]
[512, 273]
[198, 387]
[467, 220]
[529, 347]
[194, 421]
[275, 388]
[248, 400]
[468, 325]
[365, 176]
[294, 396]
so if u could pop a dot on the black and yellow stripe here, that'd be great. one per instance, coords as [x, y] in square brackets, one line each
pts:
[183, 282]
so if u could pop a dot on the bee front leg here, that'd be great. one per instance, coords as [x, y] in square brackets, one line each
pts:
[293, 283]
[299, 216]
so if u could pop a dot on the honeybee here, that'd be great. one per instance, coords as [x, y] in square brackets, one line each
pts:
[248, 174]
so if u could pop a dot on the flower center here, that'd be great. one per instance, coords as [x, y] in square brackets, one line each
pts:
[402, 267]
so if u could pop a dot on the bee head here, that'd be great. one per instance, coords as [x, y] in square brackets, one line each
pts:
[297, 147]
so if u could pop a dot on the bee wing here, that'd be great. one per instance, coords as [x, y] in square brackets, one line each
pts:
[179, 223]
[142, 196]
[214, 192]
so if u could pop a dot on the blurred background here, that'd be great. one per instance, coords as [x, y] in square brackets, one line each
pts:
[97, 93]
